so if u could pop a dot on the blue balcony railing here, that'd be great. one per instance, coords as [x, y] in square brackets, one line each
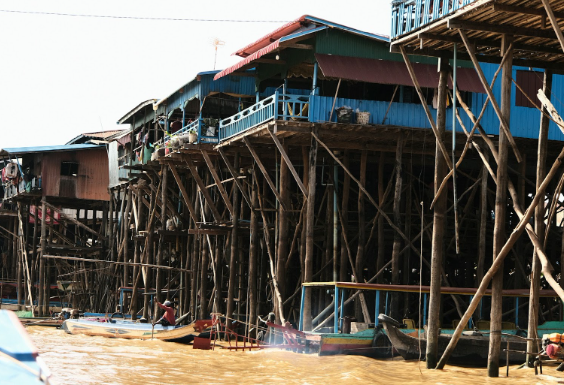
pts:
[408, 15]
[277, 106]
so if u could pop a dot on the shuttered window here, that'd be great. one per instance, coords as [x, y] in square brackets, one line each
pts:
[530, 82]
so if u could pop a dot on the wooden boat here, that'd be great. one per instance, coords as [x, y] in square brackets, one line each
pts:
[135, 330]
[370, 342]
[471, 350]
[19, 359]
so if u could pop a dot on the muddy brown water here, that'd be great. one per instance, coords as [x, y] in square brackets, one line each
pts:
[78, 359]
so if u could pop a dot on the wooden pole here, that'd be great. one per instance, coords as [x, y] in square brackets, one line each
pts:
[43, 243]
[283, 225]
[439, 213]
[381, 241]
[396, 307]
[359, 260]
[532, 346]
[253, 252]
[343, 276]
[310, 213]
[500, 211]
[234, 248]
[482, 241]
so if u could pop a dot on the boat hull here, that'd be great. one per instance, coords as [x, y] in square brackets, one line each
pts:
[132, 330]
[371, 342]
[471, 350]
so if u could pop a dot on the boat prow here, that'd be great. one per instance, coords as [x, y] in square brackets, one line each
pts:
[135, 330]
[471, 350]
[19, 358]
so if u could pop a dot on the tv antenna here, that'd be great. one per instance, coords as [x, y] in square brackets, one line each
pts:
[216, 43]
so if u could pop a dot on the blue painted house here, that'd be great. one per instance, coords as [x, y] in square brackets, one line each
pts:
[307, 69]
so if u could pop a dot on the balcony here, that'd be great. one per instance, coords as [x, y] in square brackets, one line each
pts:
[22, 187]
[409, 15]
[274, 107]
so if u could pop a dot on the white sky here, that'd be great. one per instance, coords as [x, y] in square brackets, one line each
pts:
[61, 76]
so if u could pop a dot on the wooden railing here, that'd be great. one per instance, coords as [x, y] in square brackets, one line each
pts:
[408, 15]
[277, 106]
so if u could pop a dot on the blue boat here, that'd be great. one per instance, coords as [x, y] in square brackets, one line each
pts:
[19, 358]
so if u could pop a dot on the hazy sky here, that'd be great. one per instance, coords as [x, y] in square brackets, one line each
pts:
[61, 75]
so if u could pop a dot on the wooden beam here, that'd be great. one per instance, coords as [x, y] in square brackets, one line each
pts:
[503, 122]
[203, 188]
[269, 61]
[524, 10]
[264, 172]
[189, 204]
[298, 46]
[288, 162]
[502, 29]
[115, 263]
[235, 176]
[440, 142]
[218, 181]
[554, 22]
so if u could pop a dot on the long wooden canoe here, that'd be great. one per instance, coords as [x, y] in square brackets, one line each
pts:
[471, 350]
[134, 330]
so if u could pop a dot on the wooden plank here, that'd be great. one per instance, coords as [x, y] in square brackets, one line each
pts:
[498, 28]
[235, 175]
[218, 181]
[493, 100]
[524, 10]
[288, 162]
[264, 172]
[203, 188]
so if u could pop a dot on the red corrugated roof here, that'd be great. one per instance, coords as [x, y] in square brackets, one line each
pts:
[274, 35]
[391, 72]
[248, 59]
[102, 134]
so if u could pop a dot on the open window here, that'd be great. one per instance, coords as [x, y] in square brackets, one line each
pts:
[69, 168]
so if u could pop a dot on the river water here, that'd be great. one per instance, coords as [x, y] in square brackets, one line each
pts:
[79, 359]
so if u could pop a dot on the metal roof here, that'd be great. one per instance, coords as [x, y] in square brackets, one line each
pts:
[269, 48]
[391, 72]
[32, 150]
[294, 26]
[102, 135]
[142, 105]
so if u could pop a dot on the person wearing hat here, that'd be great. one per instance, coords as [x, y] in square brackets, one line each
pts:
[168, 317]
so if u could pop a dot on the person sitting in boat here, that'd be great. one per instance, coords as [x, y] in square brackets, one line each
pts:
[168, 317]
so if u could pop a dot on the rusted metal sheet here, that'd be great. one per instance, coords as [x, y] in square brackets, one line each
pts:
[90, 182]
[390, 72]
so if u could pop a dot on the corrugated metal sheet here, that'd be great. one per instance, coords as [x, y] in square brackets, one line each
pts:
[30, 150]
[389, 72]
[261, 52]
[90, 183]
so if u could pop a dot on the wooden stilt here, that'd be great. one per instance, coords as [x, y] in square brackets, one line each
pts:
[396, 307]
[439, 212]
[310, 212]
[500, 212]
[234, 248]
[343, 276]
[381, 241]
[532, 346]
[43, 243]
[283, 225]
[253, 253]
[359, 259]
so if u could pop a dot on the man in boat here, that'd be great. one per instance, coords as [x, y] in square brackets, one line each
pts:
[168, 317]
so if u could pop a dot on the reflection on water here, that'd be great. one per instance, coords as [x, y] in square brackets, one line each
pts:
[78, 359]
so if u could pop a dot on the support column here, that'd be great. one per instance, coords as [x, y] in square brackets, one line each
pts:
[396, 307]
[253, 253]
[437, 247]
[310, 215]
[500, 212]
[234, 248]
[43, 242]
[381, 240]
[359, 261]
[532, 346]
[283, 231]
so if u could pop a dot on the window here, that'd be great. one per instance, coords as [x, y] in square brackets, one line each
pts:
[69, 168]
[530, 82]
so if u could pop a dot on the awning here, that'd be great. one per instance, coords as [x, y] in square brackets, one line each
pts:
[392, 72]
